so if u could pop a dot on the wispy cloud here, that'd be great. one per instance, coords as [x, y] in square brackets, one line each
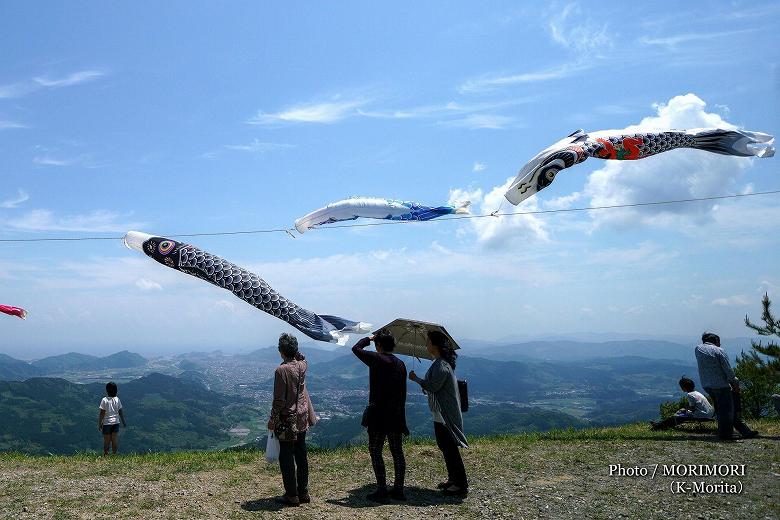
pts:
[494, 82]
[97, 221]
[480, 121]
[14, 90]
[83, 160]
[452, 113]
[6, 124]
[457, 114]
[478, 167]
[257, 146]
[570, 29]
[14, 202]
[738, 300]
[674, 41]
[45, 160]
[25, 87]
[148, 285]
[75, 78]
[326, 112]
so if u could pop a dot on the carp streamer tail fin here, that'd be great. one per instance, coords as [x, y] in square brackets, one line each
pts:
[735, 142]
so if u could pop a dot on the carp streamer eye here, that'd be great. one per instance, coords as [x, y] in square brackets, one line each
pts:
[166, 246]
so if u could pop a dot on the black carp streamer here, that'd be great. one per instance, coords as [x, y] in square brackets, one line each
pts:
[575, 148]
[247, 286]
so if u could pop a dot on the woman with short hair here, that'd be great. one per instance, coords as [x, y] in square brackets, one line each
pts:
[444, 401]
[291, 416]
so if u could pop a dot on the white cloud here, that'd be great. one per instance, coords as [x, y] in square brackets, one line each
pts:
[327, 112]
[478, 167]
[493, 82]
[499, 232]
[6, 124]
[569, 28]
[148, 285]
[456, 114]
[480, 121]
[98, 221]
[257, 146]
[673, 41]
[563, 202]
[14, 202]
[14, 90]
[738, 300]
[25, 87]
[677, 174]
[646, 254]
[46, 160]
[75, 78]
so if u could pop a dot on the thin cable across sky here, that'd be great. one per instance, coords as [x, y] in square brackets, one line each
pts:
[495, 214]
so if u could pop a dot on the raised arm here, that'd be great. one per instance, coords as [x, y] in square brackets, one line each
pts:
[366, 357]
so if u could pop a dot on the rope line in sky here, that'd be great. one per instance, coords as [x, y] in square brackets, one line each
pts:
[495, 214]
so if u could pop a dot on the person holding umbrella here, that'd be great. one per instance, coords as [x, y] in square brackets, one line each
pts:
[444, 401]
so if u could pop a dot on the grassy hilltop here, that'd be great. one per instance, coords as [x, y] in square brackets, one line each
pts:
[556, 475]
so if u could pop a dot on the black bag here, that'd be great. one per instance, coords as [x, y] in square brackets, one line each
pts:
[368, 415]
[463, 391]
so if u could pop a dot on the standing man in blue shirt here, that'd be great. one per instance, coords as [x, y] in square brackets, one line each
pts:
[718, 379]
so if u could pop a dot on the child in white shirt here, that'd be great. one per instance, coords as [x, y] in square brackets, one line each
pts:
[699, 408]
[111, 414]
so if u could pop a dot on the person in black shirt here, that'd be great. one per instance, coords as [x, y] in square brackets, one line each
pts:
[385, 415]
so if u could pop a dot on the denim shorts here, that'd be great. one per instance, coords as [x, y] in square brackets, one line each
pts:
[108, 429]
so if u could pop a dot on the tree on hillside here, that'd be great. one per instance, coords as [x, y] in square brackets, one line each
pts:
[760, 375]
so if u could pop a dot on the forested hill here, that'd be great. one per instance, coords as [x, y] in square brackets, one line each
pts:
[164, 413]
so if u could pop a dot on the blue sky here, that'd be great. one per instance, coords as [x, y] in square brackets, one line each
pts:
[195, 117]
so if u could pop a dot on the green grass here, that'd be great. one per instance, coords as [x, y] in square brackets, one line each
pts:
[518, 475]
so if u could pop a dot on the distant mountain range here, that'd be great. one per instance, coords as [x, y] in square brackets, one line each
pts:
[568, 350]
[15, 370]
[535, 385]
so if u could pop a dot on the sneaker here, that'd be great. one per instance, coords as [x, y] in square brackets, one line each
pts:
[750, 435]
[380, 496]
[304, 498]
[443, 485]
[397, 494]
[288, 500]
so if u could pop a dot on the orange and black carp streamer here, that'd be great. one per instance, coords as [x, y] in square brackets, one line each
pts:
[540, 172]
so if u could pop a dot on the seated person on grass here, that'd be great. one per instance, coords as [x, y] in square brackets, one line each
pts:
[699, 408]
